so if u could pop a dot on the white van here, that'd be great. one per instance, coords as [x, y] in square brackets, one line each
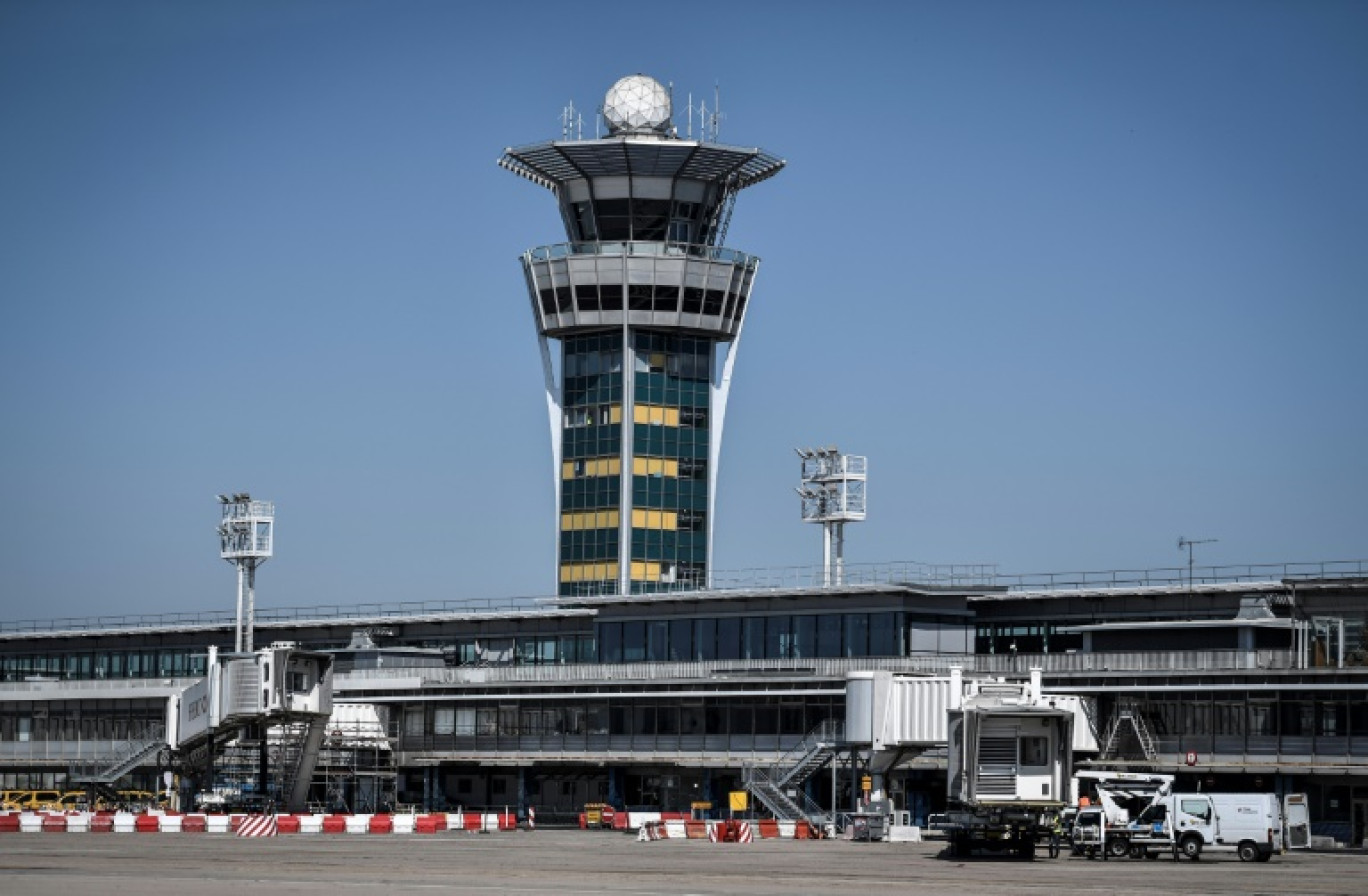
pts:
[1248, 824]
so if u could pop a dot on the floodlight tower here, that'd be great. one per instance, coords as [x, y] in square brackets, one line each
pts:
[833, 494]
[246, 539]
[646, 306]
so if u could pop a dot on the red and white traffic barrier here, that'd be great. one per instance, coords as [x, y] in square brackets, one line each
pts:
[258, 826]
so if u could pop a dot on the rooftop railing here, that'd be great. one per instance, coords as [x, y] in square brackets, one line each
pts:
[755, 671]
[958, 576]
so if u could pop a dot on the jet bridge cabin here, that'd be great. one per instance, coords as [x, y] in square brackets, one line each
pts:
[276, 684]
[1009, 755]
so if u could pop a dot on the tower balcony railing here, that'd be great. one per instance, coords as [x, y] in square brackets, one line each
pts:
[642, 247]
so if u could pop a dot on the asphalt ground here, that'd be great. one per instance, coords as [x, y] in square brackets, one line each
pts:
[580, 863]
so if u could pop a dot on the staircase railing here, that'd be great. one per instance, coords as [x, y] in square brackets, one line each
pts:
[1129, 714]
[140, 746]
[778, 787]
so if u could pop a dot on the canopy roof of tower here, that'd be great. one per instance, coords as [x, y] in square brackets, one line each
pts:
[553, 164]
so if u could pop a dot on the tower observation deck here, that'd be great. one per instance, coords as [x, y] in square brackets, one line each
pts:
[646, 306]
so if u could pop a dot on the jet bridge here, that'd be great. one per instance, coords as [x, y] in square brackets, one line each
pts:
[904, 718]
[279, 687]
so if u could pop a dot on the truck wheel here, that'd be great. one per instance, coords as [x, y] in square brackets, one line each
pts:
[1136, 851]
[1191, 847]
[1248, 852]
[1118, 847]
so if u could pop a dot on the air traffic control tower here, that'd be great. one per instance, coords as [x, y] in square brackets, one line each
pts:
[647, 307]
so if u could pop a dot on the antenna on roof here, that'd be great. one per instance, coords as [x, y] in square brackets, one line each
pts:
[717, 111]
[572, 123]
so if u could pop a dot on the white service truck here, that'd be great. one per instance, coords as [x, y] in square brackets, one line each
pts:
[1108, 801]
[1251, 825]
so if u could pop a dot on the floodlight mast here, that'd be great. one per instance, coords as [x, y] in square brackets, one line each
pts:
[833, 494]
[246, 539]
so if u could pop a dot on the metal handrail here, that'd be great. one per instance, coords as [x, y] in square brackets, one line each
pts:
[967, 576]
[757, 671]
[136, 745]
[642, 248]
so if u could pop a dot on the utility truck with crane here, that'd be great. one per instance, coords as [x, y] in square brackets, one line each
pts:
[1253, 826]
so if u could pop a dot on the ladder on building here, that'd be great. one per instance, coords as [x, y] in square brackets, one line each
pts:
[1128, 716]
[779, 787]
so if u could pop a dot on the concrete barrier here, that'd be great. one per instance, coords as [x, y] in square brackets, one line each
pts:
[171, 824]
[125, 823]
[287, 824]
[787, 830]
[403, 824]
[29, 823]
[78, 823]
[311, 824]
[675, 830]
[218, 824]
[636, 819]
[194, 824]
[358, 824]
[54, 824]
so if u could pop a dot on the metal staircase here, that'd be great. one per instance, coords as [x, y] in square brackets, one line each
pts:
[1128, 715]
[778, 788]
[296, 760]
[140, 746]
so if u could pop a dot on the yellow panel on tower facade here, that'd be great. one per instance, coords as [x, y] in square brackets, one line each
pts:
[655, 415]
[654, 519]
[588, 572]
[589, 519]
[645, 571]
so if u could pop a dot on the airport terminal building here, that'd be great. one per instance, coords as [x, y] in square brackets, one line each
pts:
[643, 682]
[1243, 679]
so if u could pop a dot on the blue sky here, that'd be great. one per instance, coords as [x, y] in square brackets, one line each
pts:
[1078, 278]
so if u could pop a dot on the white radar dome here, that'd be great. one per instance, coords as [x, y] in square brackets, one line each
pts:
[637, 104]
